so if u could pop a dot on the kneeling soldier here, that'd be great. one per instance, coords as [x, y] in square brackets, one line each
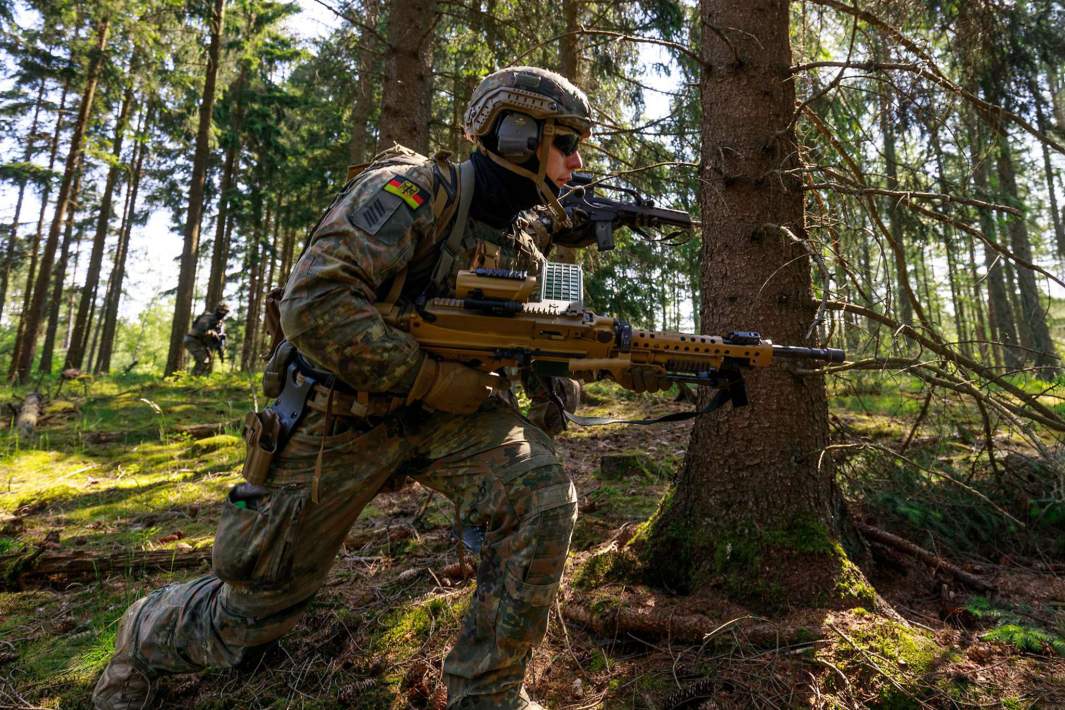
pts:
[365, 401]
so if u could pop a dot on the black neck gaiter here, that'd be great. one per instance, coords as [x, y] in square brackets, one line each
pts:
[500, 194]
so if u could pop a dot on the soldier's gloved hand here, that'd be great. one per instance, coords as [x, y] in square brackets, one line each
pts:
[643, 378]
[451, 387]
[545, 413]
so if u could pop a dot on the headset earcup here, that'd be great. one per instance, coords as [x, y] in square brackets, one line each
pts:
[518, 137]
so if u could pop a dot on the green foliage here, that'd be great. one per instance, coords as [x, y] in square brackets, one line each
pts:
[1027, 639]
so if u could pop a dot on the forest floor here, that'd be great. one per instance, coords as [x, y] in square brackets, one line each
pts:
[119, 472]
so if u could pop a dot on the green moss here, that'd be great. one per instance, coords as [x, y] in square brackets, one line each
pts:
[903, 654]
[215, 443]
[407, 628]
[606, 567]
[851, 585]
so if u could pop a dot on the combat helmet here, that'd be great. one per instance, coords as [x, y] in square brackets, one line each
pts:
[550, 99]
[222, 308]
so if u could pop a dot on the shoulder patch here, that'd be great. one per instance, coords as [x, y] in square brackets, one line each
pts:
[373, 215]
[407, 190]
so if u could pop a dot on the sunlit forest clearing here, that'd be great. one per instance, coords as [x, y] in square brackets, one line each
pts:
[880, 177]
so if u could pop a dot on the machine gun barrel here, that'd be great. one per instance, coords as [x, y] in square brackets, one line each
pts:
[797, 352]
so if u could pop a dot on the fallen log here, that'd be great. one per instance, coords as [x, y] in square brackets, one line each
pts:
[28, 414]
[196, 431]
[933, 560]
[49, 568]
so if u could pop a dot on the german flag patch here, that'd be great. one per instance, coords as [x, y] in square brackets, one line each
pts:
[408, 191]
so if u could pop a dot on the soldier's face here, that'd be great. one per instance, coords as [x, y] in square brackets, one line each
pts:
[560, 166]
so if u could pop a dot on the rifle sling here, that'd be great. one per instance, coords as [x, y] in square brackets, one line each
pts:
[724, 394]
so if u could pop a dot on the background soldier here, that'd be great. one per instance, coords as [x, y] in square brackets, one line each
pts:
[207, 336]
[400, 230]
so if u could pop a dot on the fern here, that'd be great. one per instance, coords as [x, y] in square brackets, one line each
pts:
[1027, 639]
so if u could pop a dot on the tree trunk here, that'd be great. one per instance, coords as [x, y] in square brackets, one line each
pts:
[118, 273]
[216, 283]
[1000, 315]
[79, 338]
[77, 143]
[12, 237]
[716, 523]
[1048, 168]
[407, 94]
[568, 55]
[983, 330]
[35, 246]
[190, 250]
[1033, 320]
[360, 143]
[59, 279]
[887, 128]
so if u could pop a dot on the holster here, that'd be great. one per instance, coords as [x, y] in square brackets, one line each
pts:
[262, 434]
[267, 432]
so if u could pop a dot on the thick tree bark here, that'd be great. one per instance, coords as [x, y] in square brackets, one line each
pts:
[59, 279]
[80, 335]
[771, 450]
[216, 283]
[568, 57]
[118, 273]
[12, 236]
[190, 250]
[407, 94]
[77, 144]
[360, 142]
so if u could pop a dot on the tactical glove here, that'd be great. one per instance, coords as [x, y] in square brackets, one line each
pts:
[643, 378]
[451, 387]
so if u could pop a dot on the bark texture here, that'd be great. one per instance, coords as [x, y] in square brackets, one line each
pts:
[191, 248]
[753, 475]
[406, 97]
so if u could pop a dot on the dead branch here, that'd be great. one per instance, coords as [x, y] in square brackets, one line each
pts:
[1043, 413]
[46, 568]
[910, 462]
[931, 559]
[917, 422]
[904, 196]
[688, 628]
[930, 71]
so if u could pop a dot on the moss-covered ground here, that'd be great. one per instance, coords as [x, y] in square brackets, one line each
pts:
[112, 468]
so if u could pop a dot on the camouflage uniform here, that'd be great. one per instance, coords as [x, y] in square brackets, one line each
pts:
[275, 543]
[198, 341]
[273, 552]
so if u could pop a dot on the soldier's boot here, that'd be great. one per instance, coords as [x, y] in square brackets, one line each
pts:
[125, 684]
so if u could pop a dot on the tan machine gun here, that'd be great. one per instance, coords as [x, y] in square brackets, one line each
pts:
[490, 325]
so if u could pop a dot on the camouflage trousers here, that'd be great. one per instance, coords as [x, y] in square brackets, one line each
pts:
[201, 354]
[273, 551]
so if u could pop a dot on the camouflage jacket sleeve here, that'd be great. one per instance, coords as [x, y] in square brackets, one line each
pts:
[203, 323]
[365, 239]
